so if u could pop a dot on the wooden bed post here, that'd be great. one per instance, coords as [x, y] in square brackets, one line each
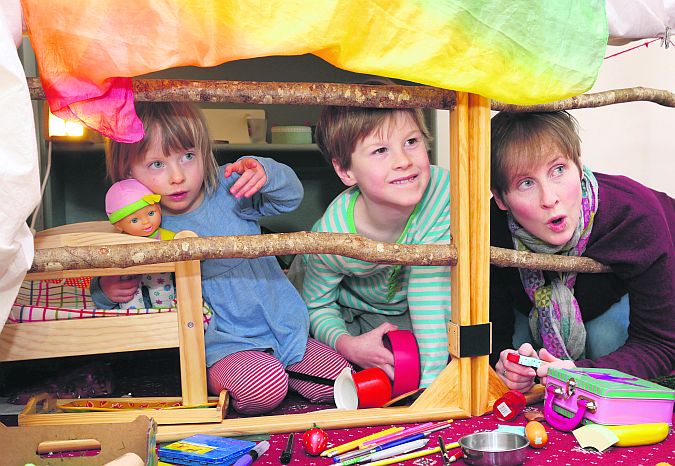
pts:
[454, 386]
[191, 330]
[485, 385]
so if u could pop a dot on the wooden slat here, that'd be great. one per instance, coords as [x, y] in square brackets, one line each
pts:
[36, 340]
[479, 238]
[459, 227]
[191, 330]
[327, 419]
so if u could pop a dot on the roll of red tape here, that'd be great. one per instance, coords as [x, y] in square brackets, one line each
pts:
[403, 345]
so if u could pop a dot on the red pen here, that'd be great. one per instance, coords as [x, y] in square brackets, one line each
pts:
[523, 360]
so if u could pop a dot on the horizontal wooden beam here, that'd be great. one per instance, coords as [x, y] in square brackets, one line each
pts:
[218, 247]
[279, 93]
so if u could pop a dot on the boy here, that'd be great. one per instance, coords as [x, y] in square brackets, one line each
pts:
[393, 195]
[546, 201]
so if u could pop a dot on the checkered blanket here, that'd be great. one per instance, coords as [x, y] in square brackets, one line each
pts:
[43, 300]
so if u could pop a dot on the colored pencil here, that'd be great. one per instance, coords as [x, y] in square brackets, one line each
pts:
[386, 453]
[403, 433]
[390, 444]
[355, 443]
[454, 457]
[406, 433]
[411, 456]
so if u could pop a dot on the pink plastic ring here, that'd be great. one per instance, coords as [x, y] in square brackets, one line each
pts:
[403, 345]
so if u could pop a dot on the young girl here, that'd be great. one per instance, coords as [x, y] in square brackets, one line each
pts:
[133, 209]
[545, 201]
[260, 324]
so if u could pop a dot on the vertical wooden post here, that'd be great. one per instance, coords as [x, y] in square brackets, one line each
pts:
[452, 387]
[461, 235]
[479, 239]
[191, 330]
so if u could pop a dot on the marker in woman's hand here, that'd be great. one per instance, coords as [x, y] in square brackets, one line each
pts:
[523, 360]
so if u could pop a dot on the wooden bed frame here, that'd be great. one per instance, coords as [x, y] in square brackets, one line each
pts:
[183, 329]
[467, 386]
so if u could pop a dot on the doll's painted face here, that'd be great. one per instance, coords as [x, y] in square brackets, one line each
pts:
[143, 222]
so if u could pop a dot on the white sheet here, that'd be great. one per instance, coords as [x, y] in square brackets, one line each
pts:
[630, 20]
[19, 175]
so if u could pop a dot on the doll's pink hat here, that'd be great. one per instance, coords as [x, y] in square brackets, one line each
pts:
[126, 197]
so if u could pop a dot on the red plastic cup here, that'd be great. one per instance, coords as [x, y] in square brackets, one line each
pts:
[372, 387]
[369, 388]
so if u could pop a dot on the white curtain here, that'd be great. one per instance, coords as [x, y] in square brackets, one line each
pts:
[630, 20]
[19, 174]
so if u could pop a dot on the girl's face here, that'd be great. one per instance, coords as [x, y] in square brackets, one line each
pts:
[178, 178]
[143, 222]
[390, 165]
[546, 199]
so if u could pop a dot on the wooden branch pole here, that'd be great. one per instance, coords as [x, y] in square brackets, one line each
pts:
[277, 93]
[598, 99]
[355, 246]
[245, 92]
[218, 247]
[528, 260]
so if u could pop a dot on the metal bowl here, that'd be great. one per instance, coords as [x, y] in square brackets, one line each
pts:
[494, 448]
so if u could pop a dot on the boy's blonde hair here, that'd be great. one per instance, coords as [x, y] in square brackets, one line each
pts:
[179, 125]
[521, 140]
[340, 129]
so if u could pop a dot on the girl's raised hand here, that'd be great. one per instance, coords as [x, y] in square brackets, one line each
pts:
[253, 177]
[367, 350]
[515, 376]
[120, 289]
[548, 360]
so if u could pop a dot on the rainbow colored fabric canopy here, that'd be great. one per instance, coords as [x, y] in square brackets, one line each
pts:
[515, 51]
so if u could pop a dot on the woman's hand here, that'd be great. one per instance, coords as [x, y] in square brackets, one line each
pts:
[514, 375]
[548, 360]
[367, 350]
[120, 289]
[253, 177]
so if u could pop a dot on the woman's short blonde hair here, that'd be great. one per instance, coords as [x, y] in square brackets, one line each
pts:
[179, 125]
[522, 140]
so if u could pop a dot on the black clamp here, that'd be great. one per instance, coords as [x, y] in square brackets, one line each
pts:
[465, 341]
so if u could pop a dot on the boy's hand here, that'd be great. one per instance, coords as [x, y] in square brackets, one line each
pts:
[514, 375]
[253, 177]
[120, 289]
[548, 360]
[367, 350]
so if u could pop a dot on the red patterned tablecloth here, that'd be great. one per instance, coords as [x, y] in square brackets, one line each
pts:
[562, 448]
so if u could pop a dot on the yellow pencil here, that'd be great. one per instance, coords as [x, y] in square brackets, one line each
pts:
[411, 456]
[355, 443]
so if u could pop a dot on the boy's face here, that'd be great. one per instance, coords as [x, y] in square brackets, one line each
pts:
[143, 222]
[178, 178]
[390, 165]
[545, 199]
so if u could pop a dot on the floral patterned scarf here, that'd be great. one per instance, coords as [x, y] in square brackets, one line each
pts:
[555, 318]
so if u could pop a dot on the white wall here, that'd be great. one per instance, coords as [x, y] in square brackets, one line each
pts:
[635, 139]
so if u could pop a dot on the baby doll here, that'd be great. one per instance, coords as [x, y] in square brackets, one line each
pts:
[133, 209]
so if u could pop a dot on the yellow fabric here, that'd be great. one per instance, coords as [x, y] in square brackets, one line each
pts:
[518, 51]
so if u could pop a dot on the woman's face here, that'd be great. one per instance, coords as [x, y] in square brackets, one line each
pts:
[546, 199]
